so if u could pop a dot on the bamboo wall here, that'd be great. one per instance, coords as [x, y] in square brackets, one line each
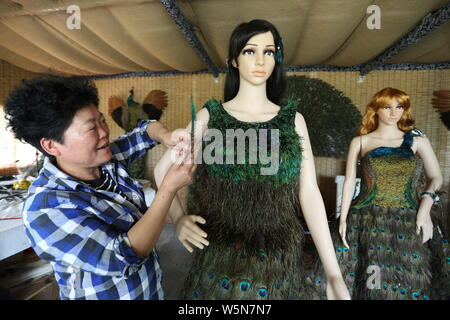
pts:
[418, 84]
[10, 76]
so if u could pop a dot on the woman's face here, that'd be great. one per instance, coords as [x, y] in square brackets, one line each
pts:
[391, 113]
[86, 140]
[257, 59]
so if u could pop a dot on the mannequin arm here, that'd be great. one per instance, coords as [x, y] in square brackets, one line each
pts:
[430, 162]
[161, 168]
[186, 227]
[314, 212]
[349, 186]
[433, 172]
[350, 177]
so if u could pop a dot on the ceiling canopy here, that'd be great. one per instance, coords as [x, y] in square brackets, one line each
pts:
[120, 36]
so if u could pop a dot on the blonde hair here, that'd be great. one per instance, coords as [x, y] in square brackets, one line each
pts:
[381, 99]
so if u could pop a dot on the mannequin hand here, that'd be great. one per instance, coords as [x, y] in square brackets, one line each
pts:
[336, 289]
[343, 231]
[177, 137]
[424, 223]
[188, 231]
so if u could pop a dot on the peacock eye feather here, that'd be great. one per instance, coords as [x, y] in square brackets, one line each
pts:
[262, 255]
[196, 295]
[262, 292]
[211, 275]
[244, 285]
[226, 284]
[277, 255]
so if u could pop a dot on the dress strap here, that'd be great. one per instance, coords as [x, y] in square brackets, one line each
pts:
[408, 138]
[212, 106]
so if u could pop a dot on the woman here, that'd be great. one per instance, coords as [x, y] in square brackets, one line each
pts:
[84, 214]
[389, 234]
[256, 240]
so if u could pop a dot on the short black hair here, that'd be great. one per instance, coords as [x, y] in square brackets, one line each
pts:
[44, 107]
[240, 36]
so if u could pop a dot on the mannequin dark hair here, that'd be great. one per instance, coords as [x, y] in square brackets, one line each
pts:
[239, 38]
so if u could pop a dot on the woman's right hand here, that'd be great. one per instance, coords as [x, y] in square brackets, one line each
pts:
[189, 232]
[343, 231]
[180, 174]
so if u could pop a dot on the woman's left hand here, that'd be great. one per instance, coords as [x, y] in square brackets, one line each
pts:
[424, 223]
[336, 289]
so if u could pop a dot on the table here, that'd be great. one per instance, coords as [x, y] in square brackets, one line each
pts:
[12, 234]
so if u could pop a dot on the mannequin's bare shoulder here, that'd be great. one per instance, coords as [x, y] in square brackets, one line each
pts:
[203, 115]
[355, 141]
[421, 143]
[421, 139]
[300, 124]
[363, 138]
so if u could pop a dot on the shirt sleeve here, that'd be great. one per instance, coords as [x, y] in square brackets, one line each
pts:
[74, 237]
[133, 144]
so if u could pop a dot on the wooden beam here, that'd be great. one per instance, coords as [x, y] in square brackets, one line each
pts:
[174, 11]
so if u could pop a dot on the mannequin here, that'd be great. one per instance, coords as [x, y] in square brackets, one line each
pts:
[391, 229]
[258, 239]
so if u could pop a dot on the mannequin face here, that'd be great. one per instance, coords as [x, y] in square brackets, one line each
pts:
[391, 113]
[257, 59]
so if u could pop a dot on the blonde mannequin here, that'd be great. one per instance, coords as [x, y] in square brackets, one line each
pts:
[388, 232]
[387, 134]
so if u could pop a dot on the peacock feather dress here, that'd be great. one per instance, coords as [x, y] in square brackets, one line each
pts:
[253, 226]
[386, 259]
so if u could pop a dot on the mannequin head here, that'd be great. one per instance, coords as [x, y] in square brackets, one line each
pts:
[392, 98]
[238, 40]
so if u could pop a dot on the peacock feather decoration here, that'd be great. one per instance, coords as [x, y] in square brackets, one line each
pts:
[128, 115]
[441, 102]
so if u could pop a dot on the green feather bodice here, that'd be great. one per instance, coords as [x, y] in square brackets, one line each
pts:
[251, 218]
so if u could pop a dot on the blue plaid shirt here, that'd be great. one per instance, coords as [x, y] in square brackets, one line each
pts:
[82, 231]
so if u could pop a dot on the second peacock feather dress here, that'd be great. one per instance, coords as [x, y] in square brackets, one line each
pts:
[253, 226]
[387, 259]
